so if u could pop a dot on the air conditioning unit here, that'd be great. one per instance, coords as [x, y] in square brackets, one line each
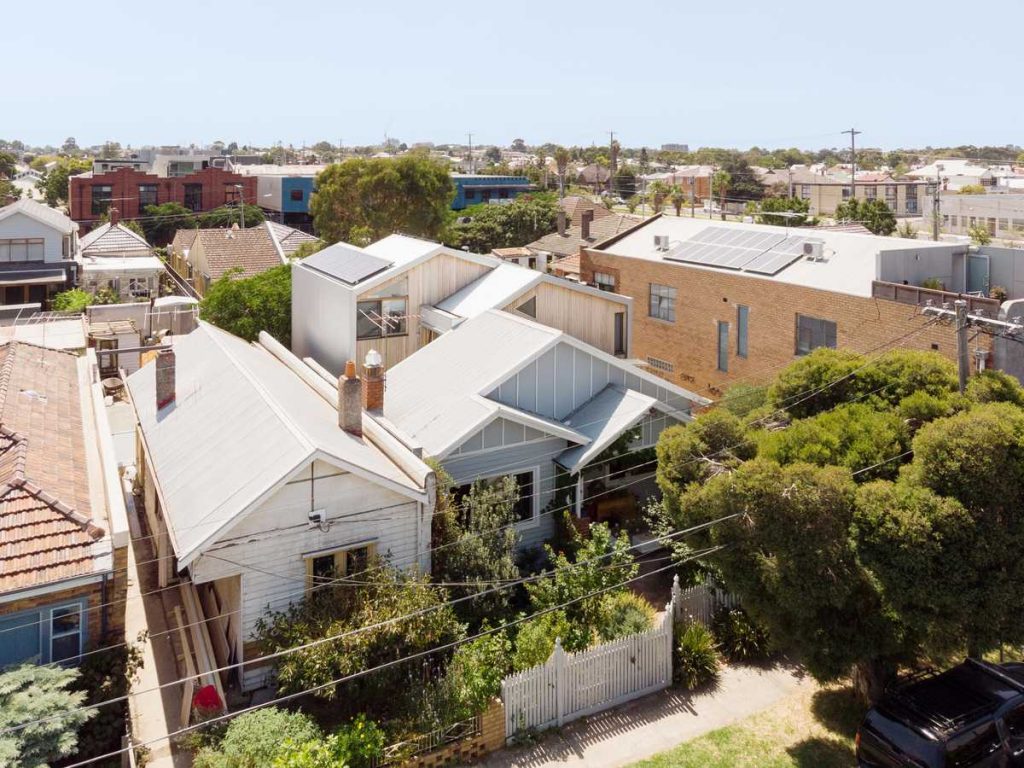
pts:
[661, 242]
[814, 251]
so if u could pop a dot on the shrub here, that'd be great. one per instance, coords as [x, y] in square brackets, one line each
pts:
[476, 670]
[992, 386]
[536, 639]
[739, 637]
[922, 407]
[74, 300]
[624, 613]
[741, 399]
[696, 657]
[252, 740]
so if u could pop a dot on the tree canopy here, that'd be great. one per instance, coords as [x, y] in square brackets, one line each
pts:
[875, 215]
[54, 183]
[160, 222]
[794, 205]
[227, 215]
[363, 199]
[522, 221]
[246, 306]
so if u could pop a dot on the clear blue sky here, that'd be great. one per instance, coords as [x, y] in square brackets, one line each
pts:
[733, 73]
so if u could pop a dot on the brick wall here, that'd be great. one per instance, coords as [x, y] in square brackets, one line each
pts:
[490, 738]
[705, 297]
[93, 593]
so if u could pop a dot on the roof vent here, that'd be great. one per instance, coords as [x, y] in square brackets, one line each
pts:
[661, 242]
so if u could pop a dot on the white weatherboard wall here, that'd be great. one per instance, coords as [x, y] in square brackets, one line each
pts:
[267, 547]
[20, 226]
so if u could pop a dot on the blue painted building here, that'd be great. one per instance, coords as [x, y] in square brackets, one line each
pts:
[283, 191]
[473, 189]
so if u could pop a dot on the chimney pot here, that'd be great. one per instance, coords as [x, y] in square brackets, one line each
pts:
[115, 217]
[373, 386]
[350, 400]
[585, 219]
[165, 387]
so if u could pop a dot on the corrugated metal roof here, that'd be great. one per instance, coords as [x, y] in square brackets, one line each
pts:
[243, 422]
[493, 290]
[603, 418]
[39, 212]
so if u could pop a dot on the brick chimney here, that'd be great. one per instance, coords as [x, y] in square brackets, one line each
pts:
[350, 400]
[115, 216]
[561, 221]
[585, 219]
[373, 381]
[165, 394]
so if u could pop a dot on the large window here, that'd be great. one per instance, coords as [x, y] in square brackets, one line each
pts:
[812, 332]
[322, 567]
[22, 249]
[147, 196]
[102, 194]
[194, 197]
[604, 281]
[742, 323]
[526, 494]
[663, 302]
[381, 317]
[43, 635]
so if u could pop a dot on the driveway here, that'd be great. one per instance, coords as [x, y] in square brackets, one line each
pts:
[645, 727]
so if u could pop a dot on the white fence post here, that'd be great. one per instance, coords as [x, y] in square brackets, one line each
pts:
[558, 657]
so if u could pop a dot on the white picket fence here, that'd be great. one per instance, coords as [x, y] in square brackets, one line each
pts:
[572, 685]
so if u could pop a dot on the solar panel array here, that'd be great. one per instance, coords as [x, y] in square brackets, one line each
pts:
[348, 264]
[765, 253]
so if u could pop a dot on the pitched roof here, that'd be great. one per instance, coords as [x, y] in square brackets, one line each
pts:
[252, 250]
[184, 238]
[288, 238]
[574, 206]
[492, 290]
[42, 213]
[593, 174]
[568, 265]
[242, 424]
[111, 239]
[600, 230]
[48, 528]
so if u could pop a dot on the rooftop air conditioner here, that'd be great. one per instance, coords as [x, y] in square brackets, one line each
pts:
[661, 242]
[814, 251]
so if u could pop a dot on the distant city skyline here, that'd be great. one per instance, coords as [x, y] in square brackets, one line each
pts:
[740, 75]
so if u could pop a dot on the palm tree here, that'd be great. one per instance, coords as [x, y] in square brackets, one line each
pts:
[659, 191]
[720, 186]
[678, 199]
[562, 163]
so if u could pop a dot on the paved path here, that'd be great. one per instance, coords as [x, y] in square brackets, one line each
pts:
[645, 727]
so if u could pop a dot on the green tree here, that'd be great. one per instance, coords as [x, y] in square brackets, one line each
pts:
[720, 184]
[522, 221]
[253, 739]
[72, 300]
[409, 194]
[7, 189]
[54, 183]
[384, 593]
[246, 306]
[161, 222]
[42, 694]
[980, 234]
[678, 198]
[562, 157]
[875, 215]
[793, 205]
[227, 215]
[7, 165]
[624, 182]
[657, 192]
[476, 544]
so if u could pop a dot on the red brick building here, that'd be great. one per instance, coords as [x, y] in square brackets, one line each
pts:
[130, 191]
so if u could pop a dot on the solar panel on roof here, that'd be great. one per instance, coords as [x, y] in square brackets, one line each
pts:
[771, 262]
[764, 253]
[347, 264]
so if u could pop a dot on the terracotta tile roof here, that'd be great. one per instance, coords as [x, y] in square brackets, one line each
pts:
[570, 243]
[574, 206]
[251, 249]
[48, 529]
[184, 238]
[569, 265]
[290, 238]
[508, 253]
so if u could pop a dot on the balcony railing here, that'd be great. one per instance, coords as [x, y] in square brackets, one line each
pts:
[912, 294]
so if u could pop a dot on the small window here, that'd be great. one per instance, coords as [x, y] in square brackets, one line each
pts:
[326, 566]
[381, 317]
[147, 196]
[663, 302]
[470, 193]
[102, 196]
[871, 192]
[194, 197]
[723, 346]
[604, 281]
[526, 499]
[528, 307]
[296, 194]
[742, 319]
[65, 633]
[620, 334]
[812, 332]
[805, 191]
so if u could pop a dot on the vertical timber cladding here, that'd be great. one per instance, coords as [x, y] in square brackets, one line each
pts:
[706, 297]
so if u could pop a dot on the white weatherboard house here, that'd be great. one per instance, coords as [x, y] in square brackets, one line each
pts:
[113, 258]
[37, 250]
[254, 490]
[504, 395]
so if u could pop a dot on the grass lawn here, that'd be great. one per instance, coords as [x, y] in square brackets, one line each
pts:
[813, 728]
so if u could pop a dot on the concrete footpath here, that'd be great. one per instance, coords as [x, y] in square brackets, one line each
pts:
[655, 723]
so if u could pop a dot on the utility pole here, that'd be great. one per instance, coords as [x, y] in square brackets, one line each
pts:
[964, 320]
[936, 202]
[612, 160]
[853, 162]
[470, 135]
[693, 192]
[241, 203]
[790, 183]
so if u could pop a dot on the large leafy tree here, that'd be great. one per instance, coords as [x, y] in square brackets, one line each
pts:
[373, 198]
[783, 205]
[246, 306]
[54, 183]
[502, 226]
[7, 161]
[227, 215]
[42, 694]
[873, 214]
[160, 222]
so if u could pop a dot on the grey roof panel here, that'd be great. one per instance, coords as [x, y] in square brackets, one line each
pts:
[346, 263]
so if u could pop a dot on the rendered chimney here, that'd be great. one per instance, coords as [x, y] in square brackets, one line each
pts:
[373, 381]
[115, 216]
[350, 400]
[165, 394]
[561, 221]
[585, 219]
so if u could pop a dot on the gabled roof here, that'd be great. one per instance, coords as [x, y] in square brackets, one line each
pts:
[41, 213]
[602, 419]
[243, 423]
[601, 229]
[252, 250]
[111, 239]
[492, 290]
[574, 206]
[48, 528]
[288, 238]
[438, 395]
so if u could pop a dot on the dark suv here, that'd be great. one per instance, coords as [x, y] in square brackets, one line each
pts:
[970, 716]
